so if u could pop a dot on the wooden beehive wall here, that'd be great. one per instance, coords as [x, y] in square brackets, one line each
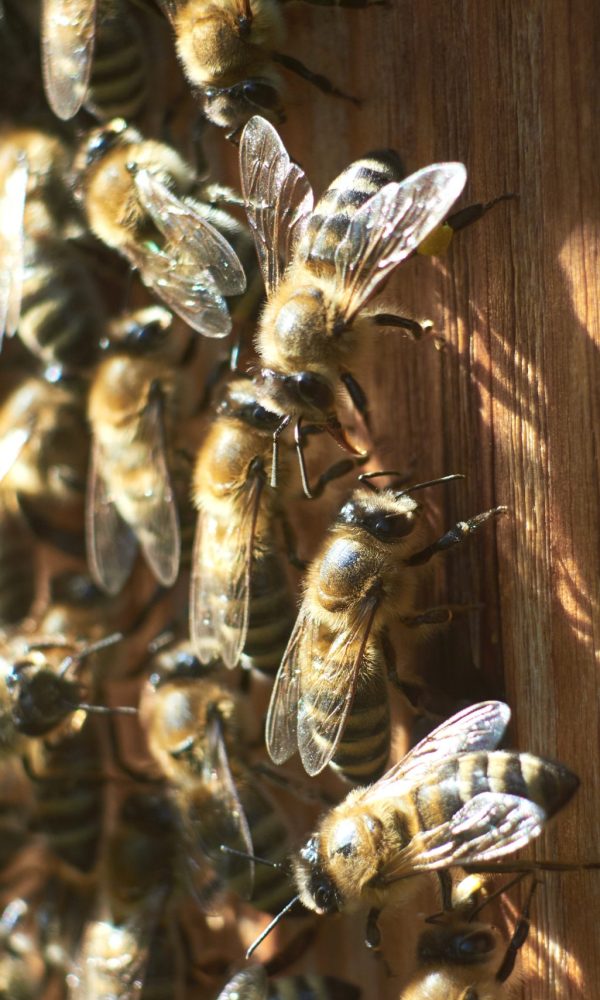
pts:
[510, 87]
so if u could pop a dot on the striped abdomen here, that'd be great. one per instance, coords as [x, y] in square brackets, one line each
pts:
[459, 779]
[62, 313]
[119, 80]
[333, 213]
[272, 614]
[68, 796]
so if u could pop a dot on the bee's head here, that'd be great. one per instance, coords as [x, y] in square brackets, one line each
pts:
[232, 107]
[385, 516]
[460, 943]
[143, 331]
[41, 699]
[239, 400]
[100, 141]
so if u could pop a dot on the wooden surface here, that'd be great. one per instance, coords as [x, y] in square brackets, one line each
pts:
[510, 87]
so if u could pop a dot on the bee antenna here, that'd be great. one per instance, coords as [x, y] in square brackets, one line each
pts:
[94, 647]
[431, 482]
[250, 857]
[366, 476]
[259, 940]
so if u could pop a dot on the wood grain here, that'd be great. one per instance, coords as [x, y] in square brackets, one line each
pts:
[510, 88]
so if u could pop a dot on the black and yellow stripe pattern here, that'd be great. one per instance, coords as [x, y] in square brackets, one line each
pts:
[333, 213]
[119, 79]
[272, 614]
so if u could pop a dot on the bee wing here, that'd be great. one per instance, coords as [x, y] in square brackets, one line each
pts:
[219, 613]
[111, 546]
[488, 827]
[478, 727]
[11, 446]
[322, 711]
[12, 207]
[68, 30]
[233, 828]
[196, 269]
[250, 984]
[281, 731]
[278, 197]
[389, 227]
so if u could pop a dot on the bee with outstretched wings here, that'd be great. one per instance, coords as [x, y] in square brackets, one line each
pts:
[453, 800]
[323, 266]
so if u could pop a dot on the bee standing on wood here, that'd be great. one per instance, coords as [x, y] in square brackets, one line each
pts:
[323, 266]
[330, 697]
[453, 800]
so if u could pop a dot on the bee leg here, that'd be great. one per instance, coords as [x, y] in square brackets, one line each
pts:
[518, 938]
[372, 932]
[454, 536]
[336, 471]
[289, 537]
[412, 327]
[473, 213]
[358, 397]
[220, 194]
[317, 79]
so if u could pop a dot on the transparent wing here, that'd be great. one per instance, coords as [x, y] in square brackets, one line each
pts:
[111, 546]
[278, 197]
[478, 727]
[11, 446]
[233, 828]
[281, 733]
[389, 227]
[68, 30]
[12, 207]
[250, 984]
[157, 523]
[326, 702]
[196, 268]
[488, 827]
[220, 604]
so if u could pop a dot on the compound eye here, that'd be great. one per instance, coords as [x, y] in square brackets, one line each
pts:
[324, 897]
[474, 945]
[314, 390]
[388, 526]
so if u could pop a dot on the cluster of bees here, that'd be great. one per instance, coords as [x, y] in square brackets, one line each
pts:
[146, 538]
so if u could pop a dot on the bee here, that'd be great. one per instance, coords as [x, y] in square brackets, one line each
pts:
[240, 600]
[194, 733]
[17, 562]
[45, 448]
[330, 697]
[252, 984]
[322, 267]
[144, 201]
[462, 958]
[137, 879]
[453, 800]
[228, 50]
[47, 294]
[138, 394]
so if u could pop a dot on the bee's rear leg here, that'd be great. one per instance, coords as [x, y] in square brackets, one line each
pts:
[473, 213]
[454, 536]
[319, 81]
[358, 397]
[336, 471]
[412, 327]
[518, 938]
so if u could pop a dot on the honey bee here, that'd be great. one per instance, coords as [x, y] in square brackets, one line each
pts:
[322, 267]
[330, 698]
[137, 878]
[136, 398]
[17, 562]
[45, 447]
[193, 729]
[462, 958]
[47, 292]
[453, 800]
[252, 984]
[240, 601]
[143, 200]
[228, 49]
